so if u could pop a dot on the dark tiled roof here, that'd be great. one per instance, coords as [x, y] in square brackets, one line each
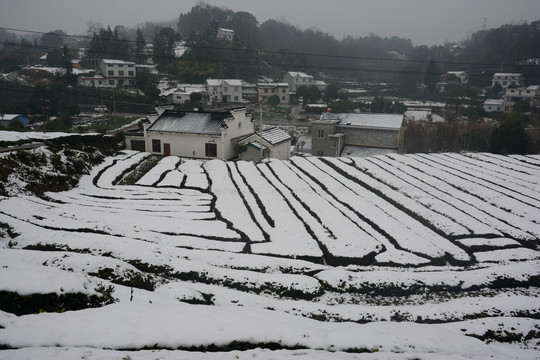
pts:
[275, 135]
[191, 122]
[271, 134]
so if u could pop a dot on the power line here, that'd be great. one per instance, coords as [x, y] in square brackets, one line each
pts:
[305, 67]
[259, 52]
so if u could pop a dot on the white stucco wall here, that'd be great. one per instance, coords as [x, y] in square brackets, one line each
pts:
[192, 145]
[281, 151]
[185, 145]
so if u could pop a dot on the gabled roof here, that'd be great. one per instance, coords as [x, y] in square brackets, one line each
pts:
[190, 122]
[219, 82]
[233, 82]
[271, 134]
[275, 135]
[298, 73]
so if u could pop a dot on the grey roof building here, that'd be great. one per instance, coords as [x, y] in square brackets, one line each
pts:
[197, 134]
[332, 132]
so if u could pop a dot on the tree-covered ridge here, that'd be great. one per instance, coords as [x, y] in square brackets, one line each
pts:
[284, 45]
[508, 43]
[273, 47]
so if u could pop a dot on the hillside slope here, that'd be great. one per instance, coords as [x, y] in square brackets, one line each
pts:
[423, 256]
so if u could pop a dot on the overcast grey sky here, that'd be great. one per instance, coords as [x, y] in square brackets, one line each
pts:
[423, 21]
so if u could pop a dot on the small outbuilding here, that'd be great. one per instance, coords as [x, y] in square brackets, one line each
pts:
[7, 120]
[276, 144]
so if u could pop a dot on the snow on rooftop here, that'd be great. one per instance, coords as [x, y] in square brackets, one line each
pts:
[299, 74]
[118, 62]
[507, 75]
[383, 121]
[275, 135]
[188, 122]
[494, 102]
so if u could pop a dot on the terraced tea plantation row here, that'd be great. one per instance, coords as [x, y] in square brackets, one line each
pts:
[315, 257]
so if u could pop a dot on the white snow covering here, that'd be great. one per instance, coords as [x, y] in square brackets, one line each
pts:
[154, 175]
[31, 135]
[390, 257]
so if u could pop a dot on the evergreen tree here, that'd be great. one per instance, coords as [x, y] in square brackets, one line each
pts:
[140, 47]
[163, 46]
[431, 76]
[55, 58]
[510, 136]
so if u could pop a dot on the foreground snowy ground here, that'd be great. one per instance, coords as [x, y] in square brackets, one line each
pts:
[391, 257]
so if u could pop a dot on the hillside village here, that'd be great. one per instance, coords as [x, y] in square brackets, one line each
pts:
[200, 190]
[442, 107]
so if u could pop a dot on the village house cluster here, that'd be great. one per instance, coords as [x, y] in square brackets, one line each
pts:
[199, 132]
[238, 91]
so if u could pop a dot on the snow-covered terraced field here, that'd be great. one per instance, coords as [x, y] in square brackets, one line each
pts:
[432, 256]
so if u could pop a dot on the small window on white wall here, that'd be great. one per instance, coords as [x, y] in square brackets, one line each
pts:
[320, 133]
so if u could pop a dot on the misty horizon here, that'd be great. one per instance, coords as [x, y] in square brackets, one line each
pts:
[423, 22]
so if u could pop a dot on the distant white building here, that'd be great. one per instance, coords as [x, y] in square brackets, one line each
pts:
[182, 93]
[111, 73]
[267, 90]
[493, 105]
[515, 94]
[461, 76]
[321, 85]
[224, 90]
[225, 34]
[296, 79]
[507, 79]
[95, 80]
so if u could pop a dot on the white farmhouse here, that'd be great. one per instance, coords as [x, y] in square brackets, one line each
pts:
[296, 79]
[267, 90]
[508, 79]
[224, 90]
[182, 93]
[515, 94]
[225, 34]
[111, 73]
[197, 134]
[493, 105]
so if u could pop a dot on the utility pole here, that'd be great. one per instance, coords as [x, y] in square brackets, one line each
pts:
[44, 103]
[114, 107]
[260, 132]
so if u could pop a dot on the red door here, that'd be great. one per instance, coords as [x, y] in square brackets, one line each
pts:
[166, 149]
